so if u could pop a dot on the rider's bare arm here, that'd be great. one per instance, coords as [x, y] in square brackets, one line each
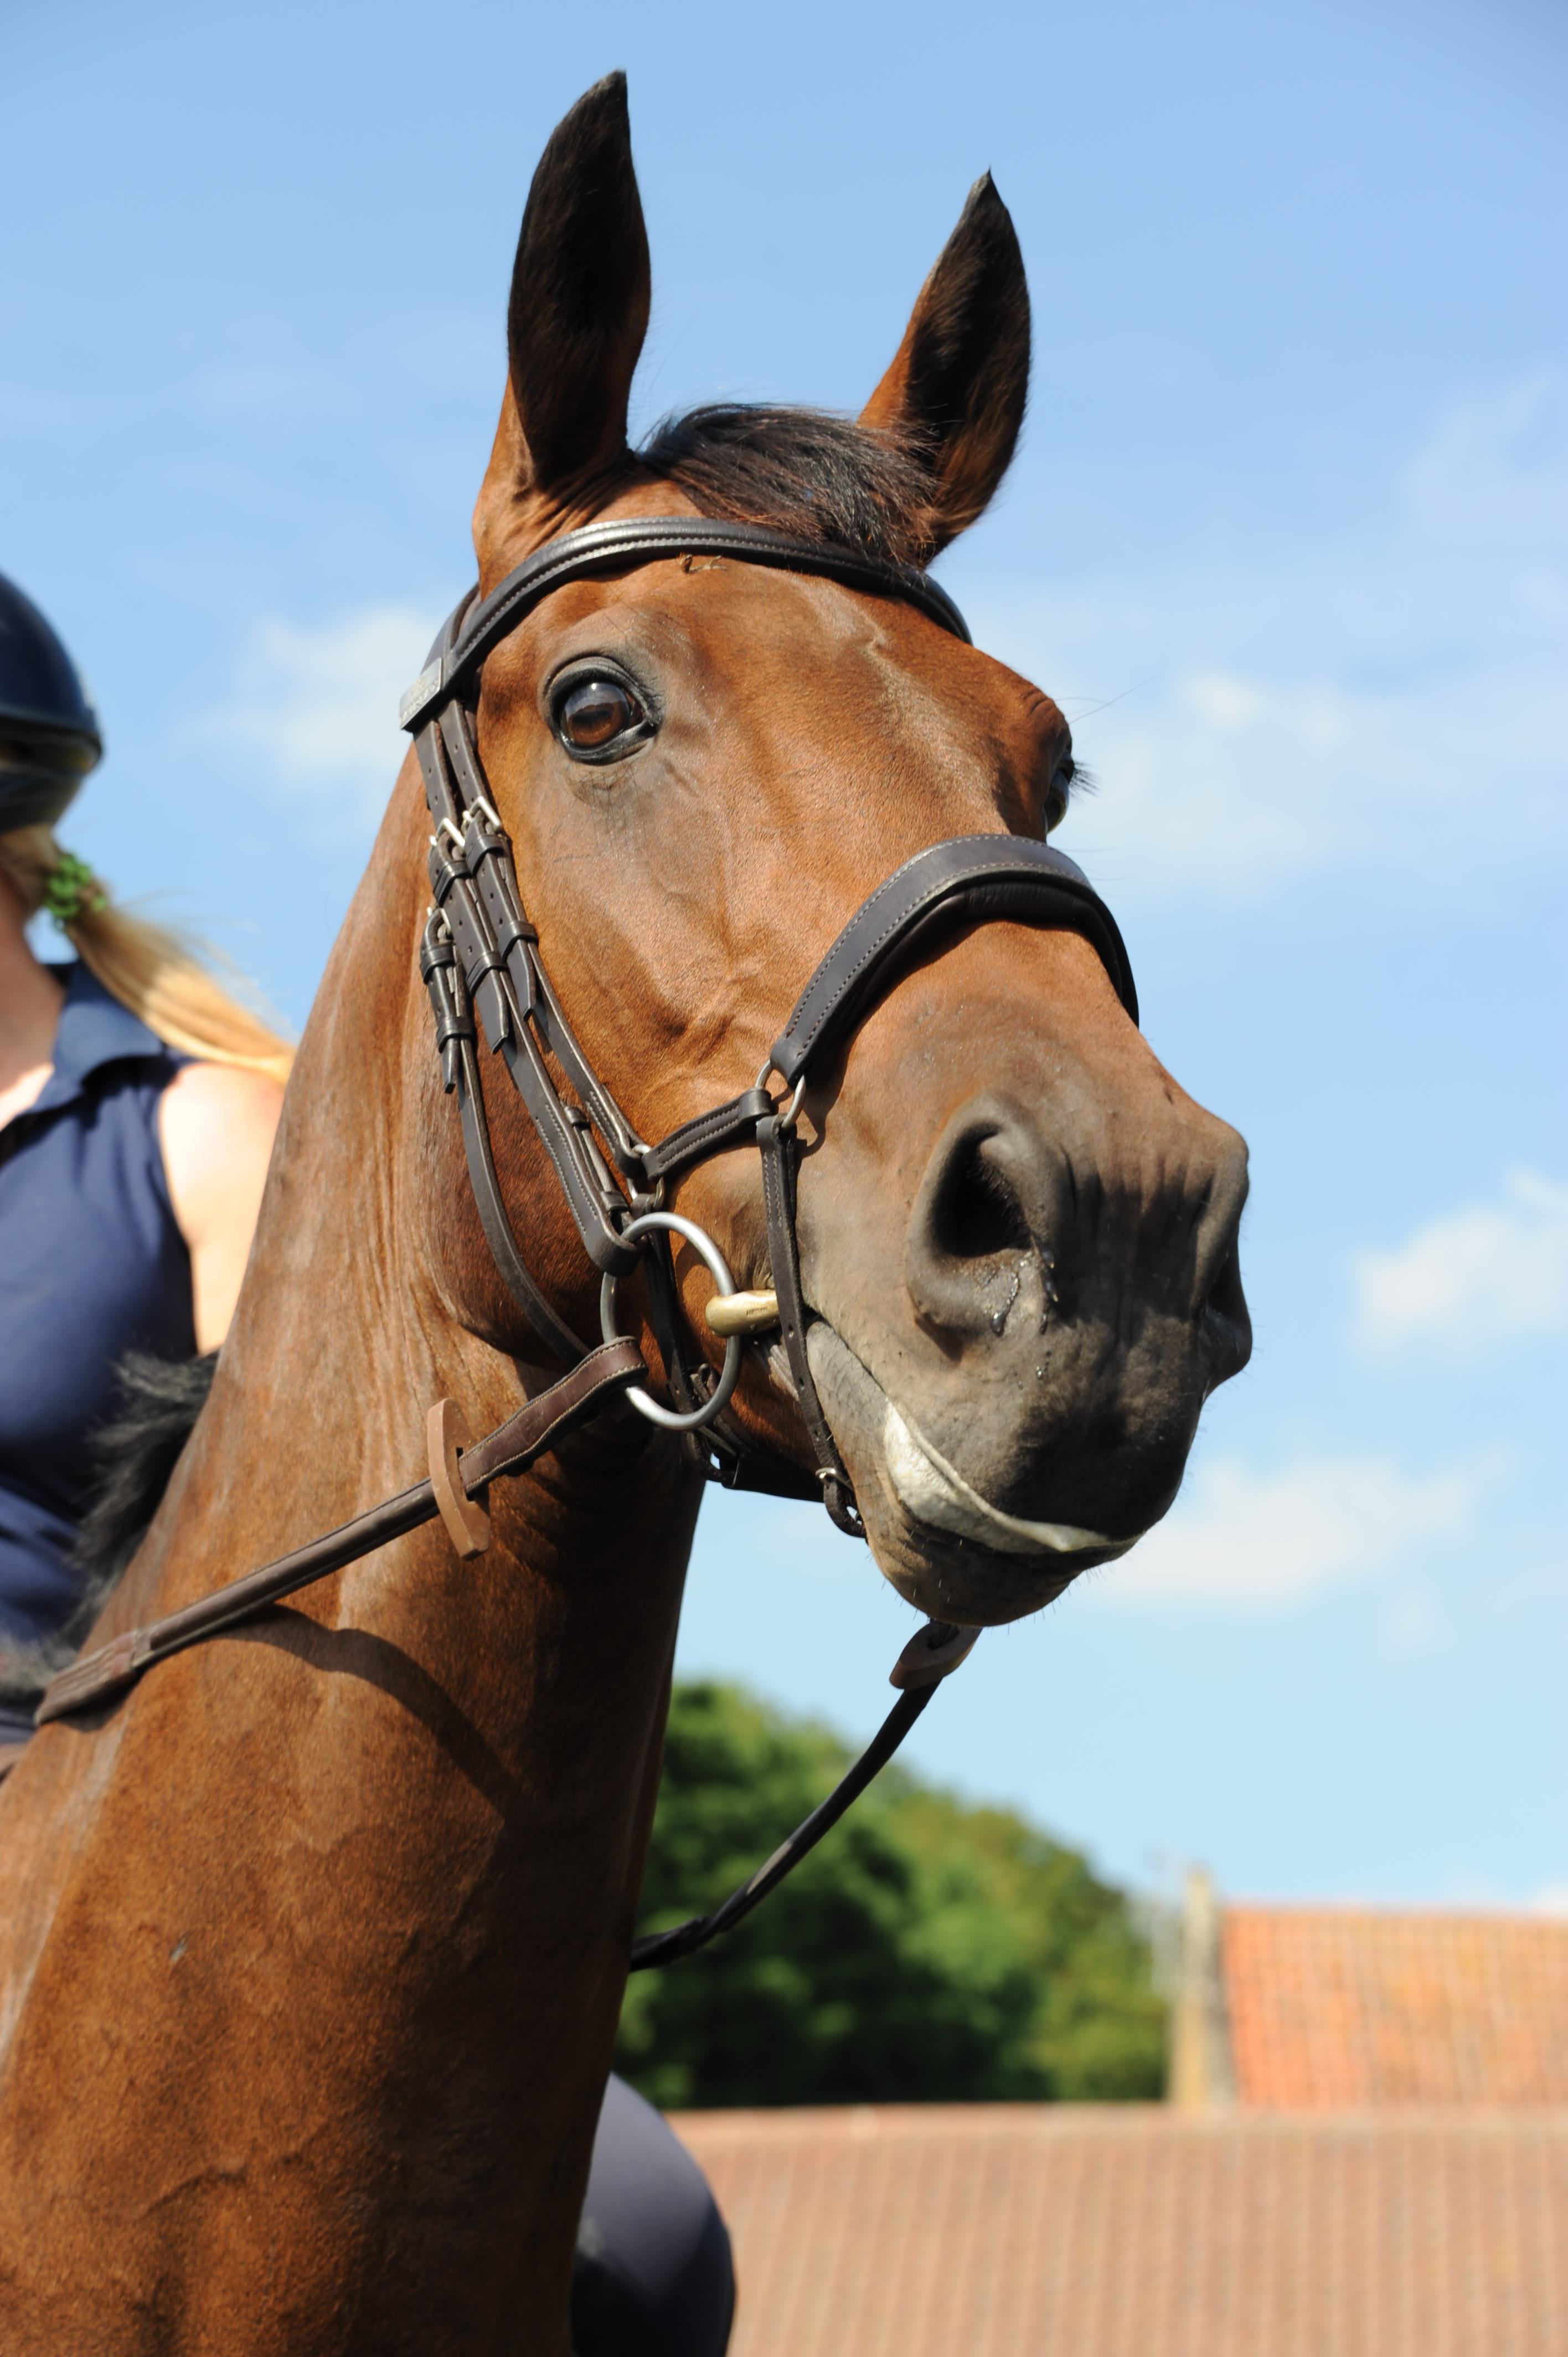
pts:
[216, 1125]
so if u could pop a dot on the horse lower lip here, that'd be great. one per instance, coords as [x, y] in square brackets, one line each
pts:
[936, 1494]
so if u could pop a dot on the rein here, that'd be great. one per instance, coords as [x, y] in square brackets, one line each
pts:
[480, 956]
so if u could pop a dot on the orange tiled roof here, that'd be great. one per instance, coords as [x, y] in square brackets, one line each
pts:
[1332, 2009]
[1121, 2231]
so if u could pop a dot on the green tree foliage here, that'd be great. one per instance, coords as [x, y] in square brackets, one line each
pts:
[926, 1951]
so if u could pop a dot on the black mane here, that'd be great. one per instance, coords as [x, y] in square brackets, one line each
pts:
[135, 1453]
[803, 471]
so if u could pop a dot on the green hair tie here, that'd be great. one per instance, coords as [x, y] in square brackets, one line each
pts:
[71, 887]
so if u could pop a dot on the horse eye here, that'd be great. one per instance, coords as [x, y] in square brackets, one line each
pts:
[1057, 792]
[593, 712]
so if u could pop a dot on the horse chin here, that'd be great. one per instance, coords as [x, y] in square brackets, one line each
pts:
[944, 1547]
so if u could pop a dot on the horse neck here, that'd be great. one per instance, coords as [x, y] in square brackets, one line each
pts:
[421, 1777]
[369, 1296]
[370, 1293]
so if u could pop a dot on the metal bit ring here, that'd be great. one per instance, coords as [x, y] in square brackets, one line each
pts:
[671, 1419]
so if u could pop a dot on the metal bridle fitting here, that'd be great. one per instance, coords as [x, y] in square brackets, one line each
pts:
[788, 1118]
[672, 1420]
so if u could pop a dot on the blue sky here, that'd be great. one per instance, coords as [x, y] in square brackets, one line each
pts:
[1288, 538]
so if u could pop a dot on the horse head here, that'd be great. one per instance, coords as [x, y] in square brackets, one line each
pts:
[1018, 1233]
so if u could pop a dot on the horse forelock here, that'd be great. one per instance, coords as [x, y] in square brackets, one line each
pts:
[808, 472]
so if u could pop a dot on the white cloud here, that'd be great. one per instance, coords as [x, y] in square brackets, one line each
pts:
[315, 710]
[1240, 1539]
[1375, 701]
[1486, 1270]
[1380, 700]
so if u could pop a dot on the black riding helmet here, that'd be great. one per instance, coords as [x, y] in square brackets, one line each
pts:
[49, 735]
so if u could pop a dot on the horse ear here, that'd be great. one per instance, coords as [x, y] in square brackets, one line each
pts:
[575, 319]
[957, 387]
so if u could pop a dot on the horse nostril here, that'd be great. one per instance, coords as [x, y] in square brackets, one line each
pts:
[977, 1213]
[973, 1223]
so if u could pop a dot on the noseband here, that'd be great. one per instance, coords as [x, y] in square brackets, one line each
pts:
[480, 952]
[480, 956]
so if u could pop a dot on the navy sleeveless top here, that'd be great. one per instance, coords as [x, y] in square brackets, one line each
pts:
[92, 1265]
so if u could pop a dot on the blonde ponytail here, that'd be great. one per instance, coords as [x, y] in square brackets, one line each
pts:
[150, 969]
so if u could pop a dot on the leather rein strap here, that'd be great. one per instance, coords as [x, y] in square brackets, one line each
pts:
[511, 1448]
[480, 957]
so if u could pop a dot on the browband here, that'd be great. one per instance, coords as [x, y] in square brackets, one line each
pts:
[647, 540]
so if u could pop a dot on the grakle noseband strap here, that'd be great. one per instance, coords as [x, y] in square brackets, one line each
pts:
[481, 964]
[973, 880]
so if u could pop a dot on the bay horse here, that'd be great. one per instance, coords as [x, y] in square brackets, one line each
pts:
[313, 1943]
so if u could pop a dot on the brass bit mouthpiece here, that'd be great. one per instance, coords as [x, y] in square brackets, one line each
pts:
[741, 1313]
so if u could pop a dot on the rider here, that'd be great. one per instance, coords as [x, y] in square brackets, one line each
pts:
[138, 1100]
[137, 1104]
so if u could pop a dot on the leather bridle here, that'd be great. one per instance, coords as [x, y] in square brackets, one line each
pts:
[480, 958]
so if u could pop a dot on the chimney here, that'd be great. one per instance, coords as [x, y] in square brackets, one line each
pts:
[1202, 2075]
